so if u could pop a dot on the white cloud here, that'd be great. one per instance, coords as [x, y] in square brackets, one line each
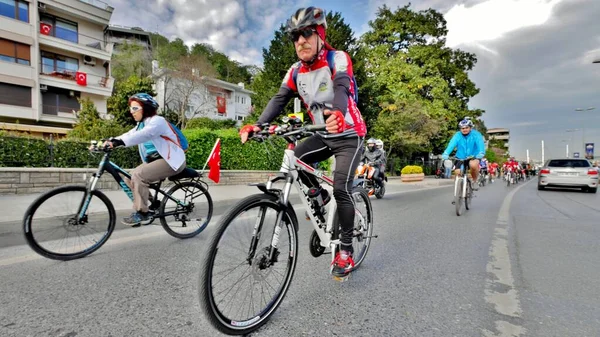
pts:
[492, 19]
[237, 28]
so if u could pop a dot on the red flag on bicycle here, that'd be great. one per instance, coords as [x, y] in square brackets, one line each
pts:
[214, 162]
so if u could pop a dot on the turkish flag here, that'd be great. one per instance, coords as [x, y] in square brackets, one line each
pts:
[214, 162]
[81, 78]
[45, 28]
[221, 105]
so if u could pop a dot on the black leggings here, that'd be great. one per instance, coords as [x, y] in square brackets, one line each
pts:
[347, 152]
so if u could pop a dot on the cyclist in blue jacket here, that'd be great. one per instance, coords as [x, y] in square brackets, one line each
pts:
[468, 143]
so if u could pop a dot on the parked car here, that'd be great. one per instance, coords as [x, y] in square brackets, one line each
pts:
[570, 172]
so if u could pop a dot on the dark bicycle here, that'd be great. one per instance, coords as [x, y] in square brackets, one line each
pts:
[90, 220]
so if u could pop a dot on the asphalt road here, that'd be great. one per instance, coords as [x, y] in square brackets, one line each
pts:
[519, 263]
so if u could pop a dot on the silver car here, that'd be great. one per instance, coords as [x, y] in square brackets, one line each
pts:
[570, 172]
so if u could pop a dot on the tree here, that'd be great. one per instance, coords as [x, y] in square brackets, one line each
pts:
[491, 156]
[406, 59]
[131, 59]
[168, 55]
[281, 55]
[407, 128]
[186, 90]
[118, 105]
[90, 126]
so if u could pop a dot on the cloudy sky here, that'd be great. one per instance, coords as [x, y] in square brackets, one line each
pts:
[534, 56]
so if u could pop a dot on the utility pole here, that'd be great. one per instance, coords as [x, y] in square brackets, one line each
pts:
[527, 156]
[543, 153]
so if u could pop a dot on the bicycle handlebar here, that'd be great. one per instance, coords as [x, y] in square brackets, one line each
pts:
[289, 128]
[96, 149]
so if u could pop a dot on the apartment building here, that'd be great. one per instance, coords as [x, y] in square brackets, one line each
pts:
[52, 52]
[204, 96]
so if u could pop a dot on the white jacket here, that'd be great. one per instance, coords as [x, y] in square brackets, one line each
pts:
[155, 127]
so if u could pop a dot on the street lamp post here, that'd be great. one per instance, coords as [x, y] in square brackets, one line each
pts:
[583, 128]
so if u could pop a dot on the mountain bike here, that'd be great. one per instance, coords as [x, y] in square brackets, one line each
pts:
[262, 230]
[90, 220]
[463, 191]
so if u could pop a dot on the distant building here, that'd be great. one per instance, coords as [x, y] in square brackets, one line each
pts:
[52, 52]
[499, 134]
[210, 98]
[118, 35]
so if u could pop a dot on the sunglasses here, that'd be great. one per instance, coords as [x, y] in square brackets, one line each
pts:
[306, 33]
[135, 108]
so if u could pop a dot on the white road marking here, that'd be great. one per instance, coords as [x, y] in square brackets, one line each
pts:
[500, 289]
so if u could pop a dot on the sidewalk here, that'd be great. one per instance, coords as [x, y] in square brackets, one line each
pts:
[12, 207]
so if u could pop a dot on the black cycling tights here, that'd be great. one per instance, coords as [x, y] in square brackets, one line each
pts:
[347, 152]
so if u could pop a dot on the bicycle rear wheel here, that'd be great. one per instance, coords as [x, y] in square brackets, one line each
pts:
[363, 226]
[192, 213]
[246, 231]
[49, 213]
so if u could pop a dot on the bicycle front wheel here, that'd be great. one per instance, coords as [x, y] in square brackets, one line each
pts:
[54, 229]
[244, 280]
[458, 197]
[190, 212]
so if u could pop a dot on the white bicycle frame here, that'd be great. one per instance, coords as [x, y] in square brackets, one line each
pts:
[463, 177]
[290, 166]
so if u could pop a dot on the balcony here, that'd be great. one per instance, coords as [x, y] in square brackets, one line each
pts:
[85, 45]
[67, 79]
[88, 10]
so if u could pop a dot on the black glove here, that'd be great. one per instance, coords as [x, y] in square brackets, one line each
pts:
[117, 142]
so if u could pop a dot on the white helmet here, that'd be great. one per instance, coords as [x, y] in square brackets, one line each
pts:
[379, 143]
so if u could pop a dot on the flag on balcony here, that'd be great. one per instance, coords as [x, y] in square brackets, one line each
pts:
[81, 78]
[221, 105]
[45, 28]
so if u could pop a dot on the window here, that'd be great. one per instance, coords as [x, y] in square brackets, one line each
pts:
[14, 52]
[15, 9]
[237, 98]
[53, 63]
[15, 95]
[243, 100]
[61, 28]
[569, 163]
[56, 100]
[239, 118]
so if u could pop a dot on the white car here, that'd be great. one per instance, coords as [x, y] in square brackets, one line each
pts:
[570, 172]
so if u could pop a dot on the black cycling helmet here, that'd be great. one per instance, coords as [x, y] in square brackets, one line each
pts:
[306, 17]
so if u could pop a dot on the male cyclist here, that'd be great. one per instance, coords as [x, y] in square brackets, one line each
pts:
[375, 157]
[483, 167]
[468, 143]
[317, 85]
[379, 144]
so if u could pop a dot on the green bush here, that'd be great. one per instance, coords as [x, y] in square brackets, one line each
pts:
[34, 152]
[412, 169]
[234, 154]
[23, 152]
[211, 124]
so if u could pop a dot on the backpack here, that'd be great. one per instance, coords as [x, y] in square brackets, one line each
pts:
[182, 142]
[330, 62]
